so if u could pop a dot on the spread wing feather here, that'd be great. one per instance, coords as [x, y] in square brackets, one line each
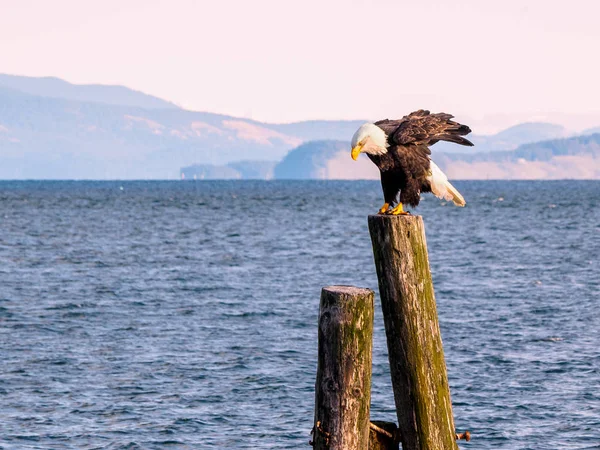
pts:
[422, 128]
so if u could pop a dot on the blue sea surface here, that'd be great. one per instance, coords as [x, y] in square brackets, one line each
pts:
[183, 315]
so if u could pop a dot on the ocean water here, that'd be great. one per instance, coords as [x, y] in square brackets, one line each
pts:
[182, 315]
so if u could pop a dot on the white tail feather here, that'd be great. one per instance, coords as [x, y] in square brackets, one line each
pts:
[441, 187]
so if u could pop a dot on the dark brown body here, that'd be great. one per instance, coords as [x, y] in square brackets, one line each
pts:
[394, 179]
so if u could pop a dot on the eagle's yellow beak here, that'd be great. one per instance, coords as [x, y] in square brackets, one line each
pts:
[356, 151]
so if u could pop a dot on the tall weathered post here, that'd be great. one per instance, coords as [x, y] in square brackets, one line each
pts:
[415, 349]
[343, 386]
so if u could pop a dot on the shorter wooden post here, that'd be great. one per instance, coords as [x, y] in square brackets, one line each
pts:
[413, 333]
[343, 386]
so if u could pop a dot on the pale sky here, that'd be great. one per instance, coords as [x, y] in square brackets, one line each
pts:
[286, 60]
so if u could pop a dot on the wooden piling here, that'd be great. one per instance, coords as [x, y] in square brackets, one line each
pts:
[343, 386]
[415, 349]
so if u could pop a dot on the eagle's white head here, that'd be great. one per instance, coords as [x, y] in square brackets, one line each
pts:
[369, 138]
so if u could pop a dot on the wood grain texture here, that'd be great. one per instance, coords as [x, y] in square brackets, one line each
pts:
[416, 354]
[343, 386]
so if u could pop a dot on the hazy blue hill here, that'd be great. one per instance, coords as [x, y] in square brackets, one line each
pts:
[575, 157]
[209, 172]
[309, 160]
[546, 150]
[531, 131]
[506, 140]
[570, 158]
[248, 170]
[57, 88]
[591, 130]
[537, 151]
[43, 137]
[313, 130]
[254, 170]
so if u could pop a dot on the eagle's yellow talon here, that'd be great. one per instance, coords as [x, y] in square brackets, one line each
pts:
[384, 208]
[398, 211]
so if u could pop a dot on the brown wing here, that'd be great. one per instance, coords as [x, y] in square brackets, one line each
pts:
[423, 128]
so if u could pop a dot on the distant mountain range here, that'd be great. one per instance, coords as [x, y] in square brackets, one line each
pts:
[508, 139]
[253, 170]
[590, 131]
[51, 129]
[576, 157]
[110, 95]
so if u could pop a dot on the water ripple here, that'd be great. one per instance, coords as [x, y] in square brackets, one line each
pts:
[183, 314]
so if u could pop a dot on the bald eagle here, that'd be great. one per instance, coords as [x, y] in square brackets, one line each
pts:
[400, 149]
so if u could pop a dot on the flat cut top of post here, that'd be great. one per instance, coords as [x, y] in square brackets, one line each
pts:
[348, 290]
[395, 217]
